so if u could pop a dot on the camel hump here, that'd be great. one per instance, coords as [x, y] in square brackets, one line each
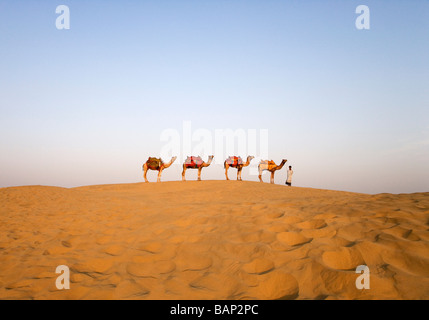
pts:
[234, 161]
[154, 163]
[194, 159]
[193, 162]
[153, 159]
[269, 162]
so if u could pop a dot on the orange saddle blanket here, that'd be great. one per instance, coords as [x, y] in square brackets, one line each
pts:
[234, 161]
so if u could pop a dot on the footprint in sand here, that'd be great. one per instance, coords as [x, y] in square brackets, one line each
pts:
[292, 238]
[407, 262]
[225, 286]
[103, 240]
[280, 227]
[277, 285]
[336, 241]
[151, 270]
[275, 214]
[151, 247]
[312, 224]
[99, 265]
[259, 207]
[130, 289]
[56, 250]
[327, 232]
[189, 261]
[259, 266]
[115, 250]
[291, 219]
[343, 258]
[401, 232]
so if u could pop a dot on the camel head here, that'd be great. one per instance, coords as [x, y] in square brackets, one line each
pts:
[166, 165]
[249, 158]
[281, 164]
[206, 164]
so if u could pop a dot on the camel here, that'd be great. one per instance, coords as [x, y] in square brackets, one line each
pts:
[236, 162]
[156, 164]
[195, 163]
[271, 167]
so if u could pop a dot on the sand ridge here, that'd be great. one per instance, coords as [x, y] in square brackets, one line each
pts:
[211, 240]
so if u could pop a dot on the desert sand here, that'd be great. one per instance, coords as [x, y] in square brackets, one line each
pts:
[212, 240]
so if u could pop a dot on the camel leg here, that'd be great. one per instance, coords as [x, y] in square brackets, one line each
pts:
[239, 174]
[145, 172]
[183, 173]
[226, 170]
[159, 175]
[260, 175]
[199, 173]
[272, 177]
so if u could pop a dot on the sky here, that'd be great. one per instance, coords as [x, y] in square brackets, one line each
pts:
[348, 108]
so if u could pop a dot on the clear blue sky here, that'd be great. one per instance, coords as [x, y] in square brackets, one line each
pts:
[348, 108]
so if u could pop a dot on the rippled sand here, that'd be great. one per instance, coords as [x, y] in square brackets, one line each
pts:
[212, 240]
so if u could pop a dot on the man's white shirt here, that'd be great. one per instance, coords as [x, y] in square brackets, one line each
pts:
[289, 175]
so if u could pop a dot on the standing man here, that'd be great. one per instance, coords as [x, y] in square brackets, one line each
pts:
[289, 177]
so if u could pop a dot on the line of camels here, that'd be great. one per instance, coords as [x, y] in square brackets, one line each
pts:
[197, 163]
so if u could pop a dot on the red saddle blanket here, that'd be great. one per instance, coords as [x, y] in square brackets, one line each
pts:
[193, 162]
[234, 161]
[154, 163]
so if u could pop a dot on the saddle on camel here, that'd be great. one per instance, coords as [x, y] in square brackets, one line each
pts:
[193, 162]
[154, 163]
[234, 161]
[269, 162]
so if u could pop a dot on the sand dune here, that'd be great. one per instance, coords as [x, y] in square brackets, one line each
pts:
[212, 240]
